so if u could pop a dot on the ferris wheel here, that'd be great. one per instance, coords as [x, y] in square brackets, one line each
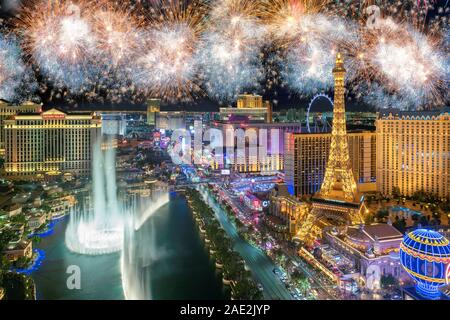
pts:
[323, 121]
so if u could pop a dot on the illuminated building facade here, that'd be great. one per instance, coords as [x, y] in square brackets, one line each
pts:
[171, 120]
[7, 110]
[51, 142]
[372, 249]
[286, 209]
[250, 108]
[306, 156]
[15, 250]
[413, 152]
[114, 124]
[153, 108]
[290, 115]
[243, 115]
[247, 136]
[249, 101]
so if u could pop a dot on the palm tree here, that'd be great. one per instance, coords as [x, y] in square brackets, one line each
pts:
[246, 290]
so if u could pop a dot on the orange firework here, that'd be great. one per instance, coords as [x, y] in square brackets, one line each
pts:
[284, 17]
[190, 13]
[117, 30]
[166, 67]
[56, 29]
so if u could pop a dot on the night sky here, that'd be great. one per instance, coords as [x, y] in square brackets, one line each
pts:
[282, 97]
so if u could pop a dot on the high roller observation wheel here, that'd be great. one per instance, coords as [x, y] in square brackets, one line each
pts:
[319, 95]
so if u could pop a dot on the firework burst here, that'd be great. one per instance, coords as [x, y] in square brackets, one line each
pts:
[58, 36]
[231, 56]
[16, 79]
[167, 67]
[119, 38]
[284, 18]
[413, 66]
[306, 64]
[408, 64]
[118, 32]
[178, 50]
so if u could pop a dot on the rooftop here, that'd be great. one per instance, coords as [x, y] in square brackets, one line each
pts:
[397, 113]
[282, 190]
[380, 232]
[21, 245]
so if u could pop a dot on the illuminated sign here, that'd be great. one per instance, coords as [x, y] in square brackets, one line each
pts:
[225, 172]
[58, 116]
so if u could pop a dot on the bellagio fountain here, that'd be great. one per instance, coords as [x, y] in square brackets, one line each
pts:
[97, 226]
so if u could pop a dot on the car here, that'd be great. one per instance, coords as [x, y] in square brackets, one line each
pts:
[260, 287]
[396, 297]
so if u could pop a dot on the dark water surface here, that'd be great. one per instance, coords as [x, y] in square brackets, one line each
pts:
[182, 268]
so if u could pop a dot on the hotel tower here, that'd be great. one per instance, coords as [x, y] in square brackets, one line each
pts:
[49, 143]
[413, 152]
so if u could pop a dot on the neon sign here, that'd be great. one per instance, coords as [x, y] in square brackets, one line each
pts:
[53, 116]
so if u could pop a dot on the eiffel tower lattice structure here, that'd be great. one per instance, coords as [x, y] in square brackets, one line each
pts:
[339, 182]
[338, 199]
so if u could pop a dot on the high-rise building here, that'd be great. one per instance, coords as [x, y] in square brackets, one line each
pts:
[257, 136]
[268, 107]
[171, 120]
[153, 108]
[306, 156]
[249, 101]
[413, 151]
[50, 142]
[114, 123]
[7, 110]
[250, 108]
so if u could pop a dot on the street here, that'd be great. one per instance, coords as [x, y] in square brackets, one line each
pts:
[259, 264]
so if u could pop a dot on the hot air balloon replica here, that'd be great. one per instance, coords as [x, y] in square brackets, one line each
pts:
[425, 255]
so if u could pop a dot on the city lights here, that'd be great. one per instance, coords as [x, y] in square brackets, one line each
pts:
[230, 152]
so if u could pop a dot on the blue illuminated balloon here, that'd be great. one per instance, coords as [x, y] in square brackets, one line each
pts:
[425, 255]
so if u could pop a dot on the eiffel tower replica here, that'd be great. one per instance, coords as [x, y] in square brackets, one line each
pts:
[338, 198]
